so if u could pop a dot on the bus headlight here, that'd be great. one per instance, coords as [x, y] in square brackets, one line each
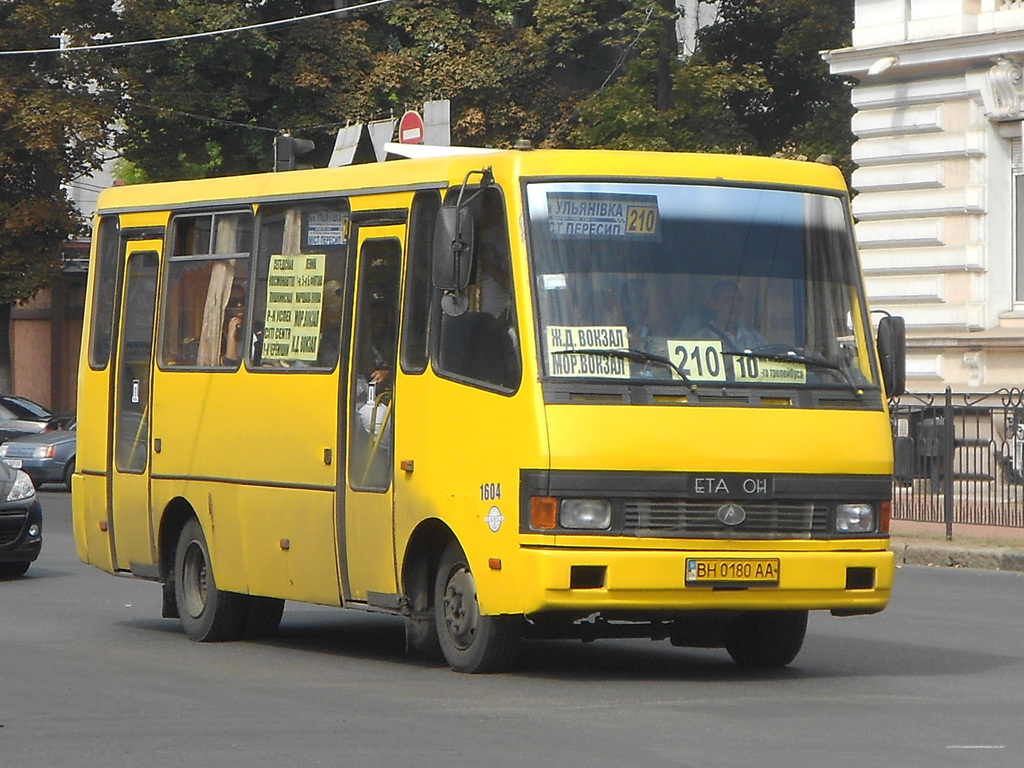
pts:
[22, 488]
[590, 514]
[855, 518]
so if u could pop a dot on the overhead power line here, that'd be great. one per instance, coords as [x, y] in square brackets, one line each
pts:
[197, 35]
[205, 118]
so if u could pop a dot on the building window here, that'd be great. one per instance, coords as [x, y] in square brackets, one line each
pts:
[1017, 165]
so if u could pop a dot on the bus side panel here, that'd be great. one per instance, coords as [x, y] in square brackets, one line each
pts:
[89, 485]
[216, 508]
[93, 418]
[252, 445]
[242, 426]
[468, 446]
[89, 512]
[289, 538]
[273, 542]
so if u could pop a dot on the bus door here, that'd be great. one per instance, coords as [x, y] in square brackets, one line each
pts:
[369, 417]
[129, 479]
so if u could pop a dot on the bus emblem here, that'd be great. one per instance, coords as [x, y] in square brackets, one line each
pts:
[494, 519]
[731, 514]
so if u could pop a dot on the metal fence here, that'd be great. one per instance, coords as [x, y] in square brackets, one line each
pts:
[959, 458]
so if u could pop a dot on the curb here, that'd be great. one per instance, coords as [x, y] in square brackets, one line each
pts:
[957, 556]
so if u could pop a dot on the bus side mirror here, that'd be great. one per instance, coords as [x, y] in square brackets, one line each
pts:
[453, 257]
[892, 354]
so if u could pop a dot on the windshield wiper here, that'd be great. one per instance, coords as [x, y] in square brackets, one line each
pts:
[795, 357]
[635, 355]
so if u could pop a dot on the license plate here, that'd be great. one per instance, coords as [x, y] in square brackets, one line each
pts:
[15, 463]
[732, 571]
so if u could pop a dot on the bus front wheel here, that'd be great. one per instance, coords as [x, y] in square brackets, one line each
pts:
[207, 614]
[766, 639]
[471, 641]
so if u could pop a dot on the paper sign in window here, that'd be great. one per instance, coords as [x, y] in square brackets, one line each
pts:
[294, 302]
[577, 351]
[326, 228]
[704, 360]
[603, 215]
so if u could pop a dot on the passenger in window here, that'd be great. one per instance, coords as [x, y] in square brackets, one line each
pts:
[234, 317]
[723, 318]
[495, 283]
[650, 310]
[330, 325]
[382, 340]
[492, 286]
[376, 349]
[606, 309]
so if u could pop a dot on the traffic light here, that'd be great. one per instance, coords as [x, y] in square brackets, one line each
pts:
[288, 150]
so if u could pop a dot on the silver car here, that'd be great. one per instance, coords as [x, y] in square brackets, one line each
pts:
[48, 457]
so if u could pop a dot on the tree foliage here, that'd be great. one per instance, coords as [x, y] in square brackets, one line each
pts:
[800, 108]
[54, 117]
[583, 73]
[586, 73]
[756, 84]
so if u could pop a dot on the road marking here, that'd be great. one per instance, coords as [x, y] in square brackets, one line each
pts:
[976, 746]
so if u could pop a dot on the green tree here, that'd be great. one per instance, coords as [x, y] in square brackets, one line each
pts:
[802, 109]
[756, 84]
[211, 106]
[511, 69]
[596, 73]
[54, 116]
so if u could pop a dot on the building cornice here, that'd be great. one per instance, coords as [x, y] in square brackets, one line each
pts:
[979, 48]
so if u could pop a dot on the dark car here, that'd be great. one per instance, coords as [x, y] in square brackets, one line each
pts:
[21, 416]
[21, 522]
[48, 457]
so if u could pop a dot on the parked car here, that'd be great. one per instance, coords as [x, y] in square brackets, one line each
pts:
[21, 416]
[47, 457]
[21, 522]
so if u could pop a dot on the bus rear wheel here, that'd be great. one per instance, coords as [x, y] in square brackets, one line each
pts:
[262, 617]
[766, 639]
[470, 641]
[207, 614]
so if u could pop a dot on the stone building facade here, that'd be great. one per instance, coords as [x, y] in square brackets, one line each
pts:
[939, 185]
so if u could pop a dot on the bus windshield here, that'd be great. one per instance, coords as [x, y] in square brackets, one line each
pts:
[697, 284]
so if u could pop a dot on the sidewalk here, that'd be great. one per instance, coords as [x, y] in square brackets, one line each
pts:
[973, 546]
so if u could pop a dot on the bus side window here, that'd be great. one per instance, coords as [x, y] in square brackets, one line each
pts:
[105, 285]
[207, 291]
[416, 315]
[482, 344]
[376, 337]
[298, 291]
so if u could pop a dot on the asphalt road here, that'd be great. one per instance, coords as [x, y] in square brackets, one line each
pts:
[90, 675]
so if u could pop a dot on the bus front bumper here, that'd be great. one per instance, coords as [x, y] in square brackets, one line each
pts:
[605, 580]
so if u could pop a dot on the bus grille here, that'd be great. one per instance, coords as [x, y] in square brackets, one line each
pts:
[772, 520]
[11, 525]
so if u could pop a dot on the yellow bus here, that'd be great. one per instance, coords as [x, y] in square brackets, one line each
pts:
[504, 395]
